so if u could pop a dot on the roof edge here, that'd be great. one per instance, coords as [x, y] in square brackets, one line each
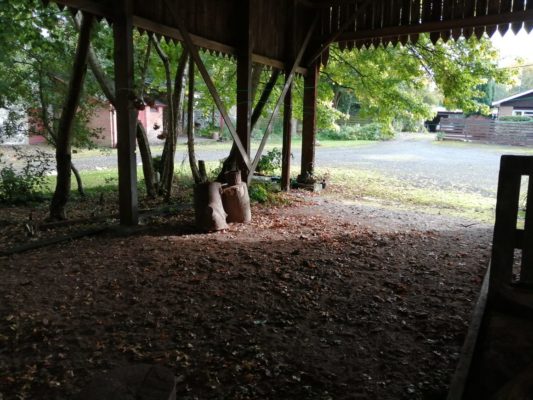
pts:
[497, 103]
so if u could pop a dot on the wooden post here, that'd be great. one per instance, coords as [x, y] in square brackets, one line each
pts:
[504, 240]
[126, 113]
[287, 137]
[309, 123]
[244, 83]
[526, 273]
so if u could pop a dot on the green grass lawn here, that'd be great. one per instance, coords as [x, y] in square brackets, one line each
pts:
[207, 145]
[368, 186]
[348, 185]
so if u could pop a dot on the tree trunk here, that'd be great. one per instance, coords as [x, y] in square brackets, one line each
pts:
[190, 128]
[146, 157]
[64, 137]
[169, 150]
[76, 173]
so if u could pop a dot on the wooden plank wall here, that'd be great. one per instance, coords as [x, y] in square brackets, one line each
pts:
[488, 131]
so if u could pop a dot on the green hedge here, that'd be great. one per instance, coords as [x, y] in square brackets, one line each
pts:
[372, 131]
[516, 118]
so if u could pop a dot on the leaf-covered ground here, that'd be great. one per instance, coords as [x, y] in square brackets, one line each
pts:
[319, 300]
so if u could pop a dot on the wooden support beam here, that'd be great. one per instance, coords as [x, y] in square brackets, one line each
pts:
[288, 81]
[126, 112]
[438, 26]
[307, 168]
[287, 100]
[287, 139]
[258, 110]
[244, 83]
[193, 50]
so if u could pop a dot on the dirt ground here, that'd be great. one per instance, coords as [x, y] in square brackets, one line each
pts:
[318, 300]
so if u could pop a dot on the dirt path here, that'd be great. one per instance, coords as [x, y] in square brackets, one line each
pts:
[315, 301]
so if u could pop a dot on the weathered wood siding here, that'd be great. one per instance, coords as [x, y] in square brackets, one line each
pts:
[488, 131]
[351, 23]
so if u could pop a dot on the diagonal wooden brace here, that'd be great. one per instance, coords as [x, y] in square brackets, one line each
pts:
[193, 50]
[288, 82]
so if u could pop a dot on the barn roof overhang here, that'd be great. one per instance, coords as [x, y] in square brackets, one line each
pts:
[280, 26]
[514, 97]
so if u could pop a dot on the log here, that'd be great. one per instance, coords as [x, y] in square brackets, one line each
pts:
[236, 200]
[209, 211]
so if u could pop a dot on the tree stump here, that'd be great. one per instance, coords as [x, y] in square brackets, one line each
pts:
[236, 200]
[132, 382]
[209, 211]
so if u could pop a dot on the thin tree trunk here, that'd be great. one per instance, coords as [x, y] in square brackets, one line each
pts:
[146, 157]
[169, 149]
[64, 137]
[142, 141]
[79, 182]
[166, 161]
[190, 128]
[142, 138]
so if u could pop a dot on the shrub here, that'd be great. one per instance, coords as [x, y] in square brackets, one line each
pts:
[258, 193]
[270, 162]
[372, 131]
[26, 183]
[266, 192]
[516, 118]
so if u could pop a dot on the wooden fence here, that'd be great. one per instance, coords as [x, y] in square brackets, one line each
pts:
[487, 131]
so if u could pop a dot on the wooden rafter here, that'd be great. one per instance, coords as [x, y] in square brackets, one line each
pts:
[334, 36]
[158, 28]
[438, 26]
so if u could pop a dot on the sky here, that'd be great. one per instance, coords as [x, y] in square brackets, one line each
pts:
[512, 46]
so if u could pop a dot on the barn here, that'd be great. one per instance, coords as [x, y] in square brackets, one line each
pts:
[292, 38]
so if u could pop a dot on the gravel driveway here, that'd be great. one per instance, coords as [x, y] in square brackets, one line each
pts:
[423, 162]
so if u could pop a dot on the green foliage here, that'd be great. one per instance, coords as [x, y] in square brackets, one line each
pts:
[27, 182]
[516, 118]
[373, 131]
[523, 80]
[258, 192]
[266, 193]
[395, 83]
[37, 46]
[270, 162]
[409, 125]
